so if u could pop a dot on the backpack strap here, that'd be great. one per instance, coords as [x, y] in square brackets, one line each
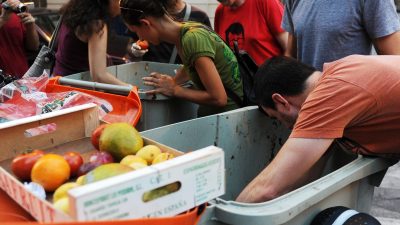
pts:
[188, 10]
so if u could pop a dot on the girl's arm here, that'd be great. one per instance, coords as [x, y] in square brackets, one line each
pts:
[181, 76]
[98, 59]
[214, 93]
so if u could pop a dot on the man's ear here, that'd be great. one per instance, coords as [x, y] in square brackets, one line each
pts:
[280, 101]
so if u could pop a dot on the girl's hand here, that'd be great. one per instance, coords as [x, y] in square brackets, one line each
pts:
[163, 84]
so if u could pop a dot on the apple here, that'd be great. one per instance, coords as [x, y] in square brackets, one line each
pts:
[75, 160]
[86, 168]
[96, 135]
[101, 157]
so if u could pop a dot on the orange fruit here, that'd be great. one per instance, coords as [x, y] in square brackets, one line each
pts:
[50, 171]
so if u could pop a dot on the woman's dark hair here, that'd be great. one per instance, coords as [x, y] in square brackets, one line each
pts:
[134, 10]
[282, 75]
[85, 17]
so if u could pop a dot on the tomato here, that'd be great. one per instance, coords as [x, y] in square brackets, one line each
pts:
[74, 160]
[22, 164]
[96, 135]
[143, 44]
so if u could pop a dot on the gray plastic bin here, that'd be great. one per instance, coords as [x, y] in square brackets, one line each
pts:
[158, 110]
[250, 141]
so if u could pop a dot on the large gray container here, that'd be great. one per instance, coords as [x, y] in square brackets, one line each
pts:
[250, 141]
[158, 110]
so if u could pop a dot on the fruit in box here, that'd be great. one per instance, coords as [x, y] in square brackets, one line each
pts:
[149, 152]
[96, 135]
[162, 157]
[105, 171]
[22, 164]
[62, 205]
[50, 171]
[87, 167]
[120, 140]
[161, 191]
[62, 191]
[101, 158]
[75, 160]
[134, 162]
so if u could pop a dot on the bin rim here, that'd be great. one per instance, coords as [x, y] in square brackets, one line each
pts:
[287, 206]
[132, 97]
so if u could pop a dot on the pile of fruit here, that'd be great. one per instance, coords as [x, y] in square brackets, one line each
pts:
[117, 142]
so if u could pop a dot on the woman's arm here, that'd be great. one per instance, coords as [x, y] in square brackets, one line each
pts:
[181, 76]
[214, 93]
[98, 59]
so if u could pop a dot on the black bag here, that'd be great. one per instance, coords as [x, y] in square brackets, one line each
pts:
[248, 68]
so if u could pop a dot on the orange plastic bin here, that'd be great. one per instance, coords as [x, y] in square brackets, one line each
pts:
[11, 213]
[125, 108]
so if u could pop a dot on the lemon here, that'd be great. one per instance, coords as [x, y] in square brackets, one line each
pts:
[149, 153]
[163, 157]
[62, 205]
[62, 191]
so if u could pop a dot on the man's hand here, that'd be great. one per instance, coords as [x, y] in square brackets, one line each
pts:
[5, 14]
[26, 18]
[290, 169]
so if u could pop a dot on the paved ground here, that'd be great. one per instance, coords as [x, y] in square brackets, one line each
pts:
[386, 205]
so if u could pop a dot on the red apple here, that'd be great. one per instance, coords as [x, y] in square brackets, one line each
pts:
[96, 135]
[86, 168]
[74, 160]
[101, 157]
[22, 164]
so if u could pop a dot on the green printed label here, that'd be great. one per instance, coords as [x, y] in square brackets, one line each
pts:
[201, 166]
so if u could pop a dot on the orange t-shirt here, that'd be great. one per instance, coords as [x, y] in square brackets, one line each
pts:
[357, 97]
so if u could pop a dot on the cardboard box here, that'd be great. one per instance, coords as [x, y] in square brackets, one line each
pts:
[200, 173]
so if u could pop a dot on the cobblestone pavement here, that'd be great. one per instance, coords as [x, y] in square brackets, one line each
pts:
[386, 204]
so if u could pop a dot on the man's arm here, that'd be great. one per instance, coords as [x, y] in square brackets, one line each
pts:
[291, 49]
[288, 171]
[32, 37]
[4, 16]
[282, 39]
[388, 45]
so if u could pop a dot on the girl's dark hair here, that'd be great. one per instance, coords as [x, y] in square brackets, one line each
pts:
[85, 17]
[282, 75]
[132, 11]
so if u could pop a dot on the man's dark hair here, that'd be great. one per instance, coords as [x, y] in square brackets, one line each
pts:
[282, 75]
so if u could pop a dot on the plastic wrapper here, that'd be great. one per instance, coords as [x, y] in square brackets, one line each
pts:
[27, 97]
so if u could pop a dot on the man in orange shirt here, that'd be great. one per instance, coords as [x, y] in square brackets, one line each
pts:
[354, 101]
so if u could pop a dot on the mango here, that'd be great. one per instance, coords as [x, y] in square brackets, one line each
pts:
[120, 140]
[105, 171]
